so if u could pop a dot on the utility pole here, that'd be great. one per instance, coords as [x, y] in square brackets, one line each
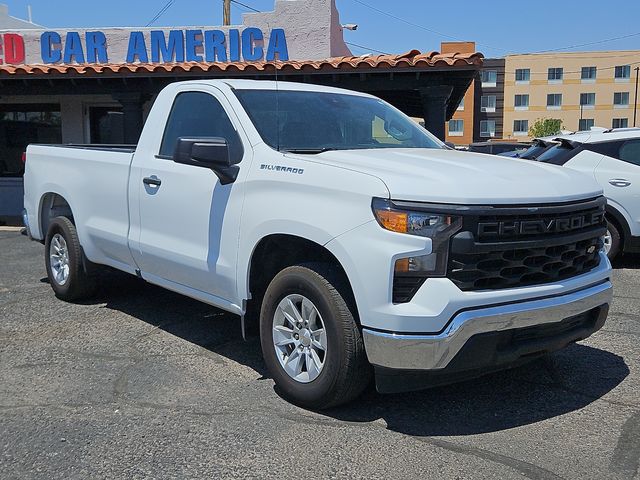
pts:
[226, 12]
[635, 102]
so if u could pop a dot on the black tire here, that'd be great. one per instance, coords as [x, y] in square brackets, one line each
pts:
[79, 283]
[346, 371]
[615, 240]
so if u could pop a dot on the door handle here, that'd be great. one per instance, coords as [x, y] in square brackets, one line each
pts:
[152, 181]
[619, 182]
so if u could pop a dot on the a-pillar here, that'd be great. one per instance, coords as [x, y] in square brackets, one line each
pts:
[434, 107]
[132, 104]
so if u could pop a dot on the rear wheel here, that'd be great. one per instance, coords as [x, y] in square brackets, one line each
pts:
[66, 262]
[612, 241]
[310, 340]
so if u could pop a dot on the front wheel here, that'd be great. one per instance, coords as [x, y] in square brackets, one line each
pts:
[612, 241]
[310, 340]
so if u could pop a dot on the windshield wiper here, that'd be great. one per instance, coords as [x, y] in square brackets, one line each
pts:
[307, 151]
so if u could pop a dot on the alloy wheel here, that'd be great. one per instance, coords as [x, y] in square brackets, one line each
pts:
[299, 338]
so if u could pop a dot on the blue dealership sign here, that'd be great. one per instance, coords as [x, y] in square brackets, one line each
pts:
[159, 46]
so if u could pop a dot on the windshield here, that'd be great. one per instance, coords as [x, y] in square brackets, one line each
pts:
[558, 155]
[312, 122]
[535, 151]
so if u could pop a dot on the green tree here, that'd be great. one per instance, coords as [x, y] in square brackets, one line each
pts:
[545, 127]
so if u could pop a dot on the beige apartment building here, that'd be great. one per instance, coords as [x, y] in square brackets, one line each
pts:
[583, 89]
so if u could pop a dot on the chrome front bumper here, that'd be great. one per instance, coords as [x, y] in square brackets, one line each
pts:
[433, 352]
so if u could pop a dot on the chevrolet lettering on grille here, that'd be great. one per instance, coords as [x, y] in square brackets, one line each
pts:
[541, 226]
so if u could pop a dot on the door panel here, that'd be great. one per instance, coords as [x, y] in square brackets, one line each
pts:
[184, 210]
[621, 183]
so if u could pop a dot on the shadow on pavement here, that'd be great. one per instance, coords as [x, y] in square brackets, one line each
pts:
[555, 385]
[627, 260]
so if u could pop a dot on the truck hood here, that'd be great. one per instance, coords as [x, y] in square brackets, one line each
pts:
[450, 176]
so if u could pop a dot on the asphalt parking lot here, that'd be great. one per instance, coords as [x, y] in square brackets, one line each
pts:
[144, 383]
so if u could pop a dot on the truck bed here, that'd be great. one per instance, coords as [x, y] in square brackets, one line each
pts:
[92, 178]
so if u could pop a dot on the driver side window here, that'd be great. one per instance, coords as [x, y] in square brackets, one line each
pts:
[199, 114]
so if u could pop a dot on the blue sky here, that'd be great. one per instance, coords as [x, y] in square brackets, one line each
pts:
[498, 26]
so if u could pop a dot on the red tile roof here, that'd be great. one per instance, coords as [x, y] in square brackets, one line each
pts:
[407, 60]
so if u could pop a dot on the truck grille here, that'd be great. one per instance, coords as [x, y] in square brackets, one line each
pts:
[519, 267]
[516, 247]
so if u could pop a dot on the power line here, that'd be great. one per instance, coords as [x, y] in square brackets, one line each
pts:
[248, 7]
[366, 48]
[599, 42]
[422, 27]
[161, 12]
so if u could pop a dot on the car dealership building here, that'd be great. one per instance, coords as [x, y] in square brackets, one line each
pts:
[97, 85]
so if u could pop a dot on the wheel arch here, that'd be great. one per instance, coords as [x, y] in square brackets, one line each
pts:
[620, 221]
[275, 252]
[52, 205]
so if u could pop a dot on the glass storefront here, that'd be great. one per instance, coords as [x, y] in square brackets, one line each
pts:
[22, 124]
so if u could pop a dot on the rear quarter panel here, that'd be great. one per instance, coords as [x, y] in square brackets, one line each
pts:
[94, 184]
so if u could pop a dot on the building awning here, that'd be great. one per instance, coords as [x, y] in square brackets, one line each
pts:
[413, 60]
[426, 85]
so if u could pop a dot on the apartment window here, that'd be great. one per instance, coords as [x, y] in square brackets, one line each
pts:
[489, 78]
[523, 74]
[555, 74]
[461, 105]
[487, 128]
[554, 101]
[488, 103]
[585, 124]
[588, 73]
[620, 123]
[521, 102]
[521, 127]
[623, 72]
[456, 128]
[587, 99]
[621, 99]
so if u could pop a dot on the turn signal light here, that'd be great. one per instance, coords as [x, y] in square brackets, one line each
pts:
[393, 220]
[402, 265]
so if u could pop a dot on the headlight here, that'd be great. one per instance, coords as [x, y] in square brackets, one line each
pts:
[423, 224]
[438, 227]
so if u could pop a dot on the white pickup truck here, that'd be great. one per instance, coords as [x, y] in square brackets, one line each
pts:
[356, 240]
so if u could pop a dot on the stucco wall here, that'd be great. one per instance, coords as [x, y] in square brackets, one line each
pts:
[8, 22]
[312, 29]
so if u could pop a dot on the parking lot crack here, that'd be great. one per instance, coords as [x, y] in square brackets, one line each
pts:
[122, 381]
[527, 469]
[626, 456]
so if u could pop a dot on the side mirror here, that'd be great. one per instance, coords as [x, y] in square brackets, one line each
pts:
[451, 145]
[207, 152]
